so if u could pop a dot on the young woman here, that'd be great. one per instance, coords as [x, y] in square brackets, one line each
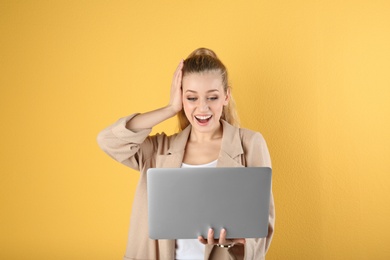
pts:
[209, 137]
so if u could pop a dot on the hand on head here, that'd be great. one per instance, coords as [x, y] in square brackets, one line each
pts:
[176, 89]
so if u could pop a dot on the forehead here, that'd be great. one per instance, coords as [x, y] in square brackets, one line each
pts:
[202, 81]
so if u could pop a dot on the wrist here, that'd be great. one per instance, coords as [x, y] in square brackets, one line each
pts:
[238, 250]
[173, 110]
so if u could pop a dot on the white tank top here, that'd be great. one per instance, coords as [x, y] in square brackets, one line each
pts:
[191, 249]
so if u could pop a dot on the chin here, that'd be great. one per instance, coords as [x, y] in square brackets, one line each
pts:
[210, 127]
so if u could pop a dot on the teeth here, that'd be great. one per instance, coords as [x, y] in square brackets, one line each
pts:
[202, 117]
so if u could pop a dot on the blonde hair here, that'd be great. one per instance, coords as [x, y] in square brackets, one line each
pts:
[204, 60]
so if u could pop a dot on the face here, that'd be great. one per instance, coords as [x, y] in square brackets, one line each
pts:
[203, 100]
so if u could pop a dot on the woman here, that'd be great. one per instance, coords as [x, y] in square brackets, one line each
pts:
[209, 137]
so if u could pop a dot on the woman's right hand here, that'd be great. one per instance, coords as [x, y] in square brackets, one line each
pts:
[152, 118]
[176, 102]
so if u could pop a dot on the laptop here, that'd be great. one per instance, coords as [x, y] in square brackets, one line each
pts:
[184, 203]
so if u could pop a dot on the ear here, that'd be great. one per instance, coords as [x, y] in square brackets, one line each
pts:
[227, 97]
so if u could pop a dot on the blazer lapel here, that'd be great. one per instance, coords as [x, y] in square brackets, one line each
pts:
[231, 147]
[229, 156]
[173, 157]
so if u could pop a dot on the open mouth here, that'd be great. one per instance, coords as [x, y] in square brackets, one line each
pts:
[203, 119]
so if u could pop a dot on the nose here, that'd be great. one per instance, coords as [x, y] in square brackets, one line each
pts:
[203, 106]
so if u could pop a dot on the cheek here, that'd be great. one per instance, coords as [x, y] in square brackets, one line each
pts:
[187, 107]
[218, 107]
[185, 104]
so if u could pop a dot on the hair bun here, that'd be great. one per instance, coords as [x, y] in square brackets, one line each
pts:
[203, 52]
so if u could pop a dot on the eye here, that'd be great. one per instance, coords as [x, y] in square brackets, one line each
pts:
[191, 98]
[213, 98]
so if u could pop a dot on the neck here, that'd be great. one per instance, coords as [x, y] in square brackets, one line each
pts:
[200, 137]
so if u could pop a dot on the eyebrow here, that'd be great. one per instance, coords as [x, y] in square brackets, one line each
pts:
[193, 91]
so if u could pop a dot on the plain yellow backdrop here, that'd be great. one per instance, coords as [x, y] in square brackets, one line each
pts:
[312, 76]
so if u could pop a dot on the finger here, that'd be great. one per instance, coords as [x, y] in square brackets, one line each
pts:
[202, 240]
[177, 77]
[210, 237]
[178, 69]
[222, 237]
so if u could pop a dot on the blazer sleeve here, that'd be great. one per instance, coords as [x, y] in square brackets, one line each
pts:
[126, 146]
[257, 155]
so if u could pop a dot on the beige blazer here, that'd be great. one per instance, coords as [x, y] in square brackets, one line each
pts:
[239, 148]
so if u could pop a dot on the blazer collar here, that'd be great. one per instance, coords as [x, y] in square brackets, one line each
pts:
[231, 147]
[231, 140]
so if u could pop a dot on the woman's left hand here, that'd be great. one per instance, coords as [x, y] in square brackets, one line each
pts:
[222, 239]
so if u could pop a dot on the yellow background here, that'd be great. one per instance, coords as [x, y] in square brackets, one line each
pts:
[312, 76]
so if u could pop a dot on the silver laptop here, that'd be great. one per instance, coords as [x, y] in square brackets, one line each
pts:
[184, 203]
